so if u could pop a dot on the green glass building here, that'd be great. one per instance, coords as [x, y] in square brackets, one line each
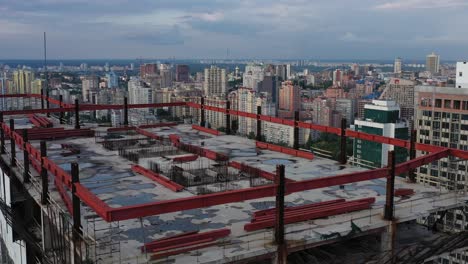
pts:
[380, 118]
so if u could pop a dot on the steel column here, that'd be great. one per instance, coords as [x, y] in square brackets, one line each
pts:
[296, 130]
[47, 100]
[42, 98]
[2, 136]
[259, 123]
[202, 112]
[228, 117]
[26, 178]
[44, 175]
[75, 174]
[412, 155]
[390, 192]
[12, 144]
[62, 114]
[125, 111]
[280, 192]
[343, 158]
[77, 114]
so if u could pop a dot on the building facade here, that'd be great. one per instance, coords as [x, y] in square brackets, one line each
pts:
[215, 81]
[432, 63]
[380, 118]
[462, 75]
[89, 85]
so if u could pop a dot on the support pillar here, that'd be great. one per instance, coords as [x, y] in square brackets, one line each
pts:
[343, 156]
[202, 112]
[387, 243]
[47, 101]
[296, 130]
[2, 136]
[26, 177]
[44, 175]
[125, 111]
[412, 155]
[77, 114]
[228, 118]
[42, 98]
[77, 232]
[281, 253]
[390, 191]
[62, 117]
[259, 124]
[12, 144]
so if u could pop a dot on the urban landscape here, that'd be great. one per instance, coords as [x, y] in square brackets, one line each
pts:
[231, 158]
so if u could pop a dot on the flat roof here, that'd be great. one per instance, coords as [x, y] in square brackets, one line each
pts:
[109, 176]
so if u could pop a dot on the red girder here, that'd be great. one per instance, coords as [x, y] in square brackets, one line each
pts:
[418, 162]
[90, 199]
[206, 130]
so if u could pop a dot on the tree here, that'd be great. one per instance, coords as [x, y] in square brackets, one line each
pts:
[222, 129]
[235, 125]
[251, 135]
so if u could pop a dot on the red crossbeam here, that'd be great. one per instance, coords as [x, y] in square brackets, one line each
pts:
[285, 150]
[206, 130]
[272, 211]
[178, 241]
[303, 214]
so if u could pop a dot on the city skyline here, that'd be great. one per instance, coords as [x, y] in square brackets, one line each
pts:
[83, 29]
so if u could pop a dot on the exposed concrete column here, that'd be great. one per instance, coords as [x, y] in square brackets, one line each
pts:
[390, 191]
[44, 175]
[61, 106]
[202, 112]
[77, 114]
[125, 111]
[25, 157]
[12, 144]
[343, 158]
[259, 124]
[2, 136]
[228, 117]
[281, 253]
[412, 155]
[296, 130]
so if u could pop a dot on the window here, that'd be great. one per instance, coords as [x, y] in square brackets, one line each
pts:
[438, 103]
[447, 103]
[460, 74]
[465, 105]
[456, 104]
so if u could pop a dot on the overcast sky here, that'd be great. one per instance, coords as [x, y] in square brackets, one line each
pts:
[309, 29]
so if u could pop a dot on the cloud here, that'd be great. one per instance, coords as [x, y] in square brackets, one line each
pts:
[421, 4]
[162, 36]
[209, 16]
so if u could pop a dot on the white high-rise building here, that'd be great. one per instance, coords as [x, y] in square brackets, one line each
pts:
[288, 71]
[462, 75]
[397, 66]
[215, 81]
[432, 63]
[253, 76]
[138, 93]
[89, 85]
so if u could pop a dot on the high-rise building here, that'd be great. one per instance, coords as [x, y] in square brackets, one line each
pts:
[269, 85]
[380, 118]
[89, 85]
[215, 81]
[182, 73]
[148, 69]
[139, 93]
[112, 80]
[253, 76]
[402, 92]
[289, 99]
[337, 77]
[37, 85]
[22, 80]
[281, 71]
[288, 71]
[442, 120]
[462, 75]
[346, 108]
[432, 63]
[397, 66]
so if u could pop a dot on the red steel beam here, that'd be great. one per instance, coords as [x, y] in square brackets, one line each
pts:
[173, 186]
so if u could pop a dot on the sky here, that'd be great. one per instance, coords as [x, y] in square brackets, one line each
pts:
[256, 29]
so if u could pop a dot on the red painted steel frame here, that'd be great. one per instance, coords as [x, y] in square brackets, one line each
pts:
[130, 212]
[173, 186]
